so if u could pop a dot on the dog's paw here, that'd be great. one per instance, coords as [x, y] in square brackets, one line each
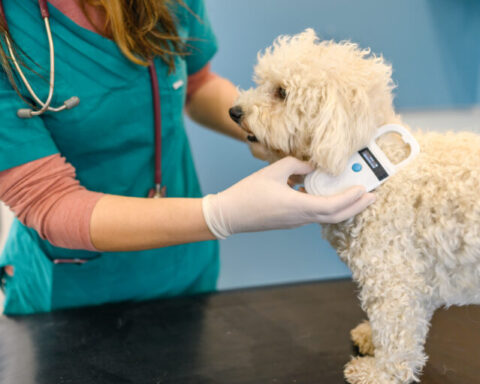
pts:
[361, 336]
[362, 370]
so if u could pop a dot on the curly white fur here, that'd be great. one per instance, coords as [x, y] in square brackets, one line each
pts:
[418, 247]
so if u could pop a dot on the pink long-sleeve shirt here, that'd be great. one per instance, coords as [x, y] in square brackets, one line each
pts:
[44, 194]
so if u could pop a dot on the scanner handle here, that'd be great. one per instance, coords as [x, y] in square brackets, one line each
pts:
[407, 137]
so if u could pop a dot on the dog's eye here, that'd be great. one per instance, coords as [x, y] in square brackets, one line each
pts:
[281, 93]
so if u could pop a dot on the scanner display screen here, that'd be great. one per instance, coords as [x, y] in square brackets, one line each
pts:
[369, 158]
[373, 163]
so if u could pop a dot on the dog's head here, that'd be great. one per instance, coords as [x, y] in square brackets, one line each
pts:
[317, 101]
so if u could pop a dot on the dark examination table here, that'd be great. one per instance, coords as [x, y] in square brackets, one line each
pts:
[288, 334]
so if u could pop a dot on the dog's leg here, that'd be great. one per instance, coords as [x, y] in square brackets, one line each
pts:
[399, 323]
[361, 336]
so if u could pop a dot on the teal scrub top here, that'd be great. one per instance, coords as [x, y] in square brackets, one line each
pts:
[109, 139]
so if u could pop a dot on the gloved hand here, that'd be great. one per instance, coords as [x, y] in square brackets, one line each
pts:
[264, 201]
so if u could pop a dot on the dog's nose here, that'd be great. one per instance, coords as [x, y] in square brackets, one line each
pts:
[236, 113]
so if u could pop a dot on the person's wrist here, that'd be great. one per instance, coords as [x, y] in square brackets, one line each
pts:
[213, 216]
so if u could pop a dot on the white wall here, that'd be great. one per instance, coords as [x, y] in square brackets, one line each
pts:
[443, 120]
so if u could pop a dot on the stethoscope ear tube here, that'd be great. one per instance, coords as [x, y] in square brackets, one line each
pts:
[72, 102]
[26, 113]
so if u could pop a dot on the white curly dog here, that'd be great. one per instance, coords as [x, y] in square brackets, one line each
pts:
[418, 247]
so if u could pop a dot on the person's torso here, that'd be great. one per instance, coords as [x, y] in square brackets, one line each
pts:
[109, 139]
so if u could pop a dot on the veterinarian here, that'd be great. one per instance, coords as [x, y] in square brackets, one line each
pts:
[79, 155]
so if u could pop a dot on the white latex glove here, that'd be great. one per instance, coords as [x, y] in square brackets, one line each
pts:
[264, 201]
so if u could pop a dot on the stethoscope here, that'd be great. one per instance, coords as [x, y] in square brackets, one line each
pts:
[27, 113]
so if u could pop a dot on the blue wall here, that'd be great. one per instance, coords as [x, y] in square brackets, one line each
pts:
[434, 46]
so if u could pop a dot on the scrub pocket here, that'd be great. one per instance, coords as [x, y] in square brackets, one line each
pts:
[80, 283]
[42, 285]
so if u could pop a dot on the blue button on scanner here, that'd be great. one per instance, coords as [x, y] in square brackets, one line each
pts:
[357, 167]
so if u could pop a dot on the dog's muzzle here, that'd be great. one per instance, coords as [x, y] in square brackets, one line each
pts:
[236, 114]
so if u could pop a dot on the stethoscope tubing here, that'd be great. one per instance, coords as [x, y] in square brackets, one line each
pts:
[44, 105]
[157, 114]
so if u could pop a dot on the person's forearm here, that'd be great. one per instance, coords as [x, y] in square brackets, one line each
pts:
[209, 107]
[127, 223]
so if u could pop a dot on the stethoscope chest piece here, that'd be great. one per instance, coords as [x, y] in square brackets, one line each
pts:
[157, 192]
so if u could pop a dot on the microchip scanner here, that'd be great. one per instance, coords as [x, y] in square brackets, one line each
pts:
[369, 167]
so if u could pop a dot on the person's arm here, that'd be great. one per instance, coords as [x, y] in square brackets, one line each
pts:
[209, 106]
[261, 201]
[45, 195]
[125, 223]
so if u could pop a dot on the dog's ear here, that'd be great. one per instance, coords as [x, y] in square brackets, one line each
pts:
[337, 131]
[353, 103]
